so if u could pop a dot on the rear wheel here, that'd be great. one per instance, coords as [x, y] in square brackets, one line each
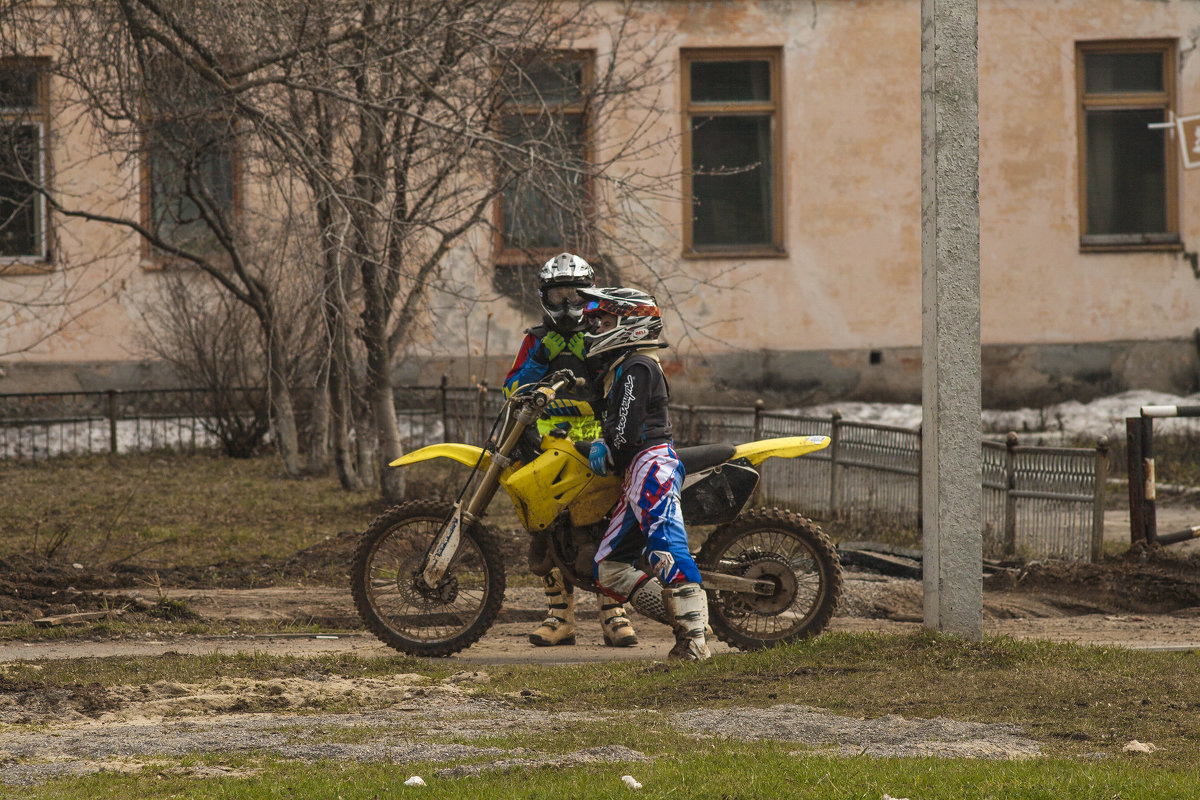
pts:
[789, 551]
[397, 605]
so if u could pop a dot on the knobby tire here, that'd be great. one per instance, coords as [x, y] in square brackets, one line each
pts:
[408, 617]
[776, 544]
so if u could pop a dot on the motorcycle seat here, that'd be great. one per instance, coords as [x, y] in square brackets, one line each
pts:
[703, 456]
[694, 459]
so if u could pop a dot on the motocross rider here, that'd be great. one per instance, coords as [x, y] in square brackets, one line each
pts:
[624, 336]
[558, 343]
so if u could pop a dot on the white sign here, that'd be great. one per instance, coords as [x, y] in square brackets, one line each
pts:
[1189, 139]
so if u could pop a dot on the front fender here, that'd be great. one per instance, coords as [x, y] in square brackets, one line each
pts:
[467, 454]
[785, 447]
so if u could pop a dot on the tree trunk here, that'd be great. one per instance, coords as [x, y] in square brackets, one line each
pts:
[342, 414]
[387, 433]
[286, 438]
[365, 436]
[318, 426]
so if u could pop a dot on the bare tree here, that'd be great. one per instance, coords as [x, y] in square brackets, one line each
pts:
[403, 130]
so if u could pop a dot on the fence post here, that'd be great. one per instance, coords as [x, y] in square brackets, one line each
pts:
[921, 481]
[1098, 508]
[445, 416]
[692, 425]
[1149, 513]
[480, 411]
[112, 421]
[1137, 479]
[759, 405]
[1010, 500]
[835, 474]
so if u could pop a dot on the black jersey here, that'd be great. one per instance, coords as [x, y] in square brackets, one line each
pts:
[636, 408]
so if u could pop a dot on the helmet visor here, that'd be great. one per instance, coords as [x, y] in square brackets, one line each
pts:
[557, 295]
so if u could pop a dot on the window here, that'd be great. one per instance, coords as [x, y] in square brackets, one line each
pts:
[24, 120]
[545, 206]
[191, 182]
[732, 179]
[1127, 169]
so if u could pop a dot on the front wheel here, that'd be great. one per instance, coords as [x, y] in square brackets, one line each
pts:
[790, 551]
[397, 605]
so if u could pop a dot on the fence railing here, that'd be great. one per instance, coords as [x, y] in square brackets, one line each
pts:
[1039, 502]
[36, 425]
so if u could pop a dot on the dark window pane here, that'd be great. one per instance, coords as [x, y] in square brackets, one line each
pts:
[1126, 173]
[1108, 73]
[18, 88]
[552, 83]
[191, 168]
[731, 183]
[20, 203]
[731, 81]
[545, 203]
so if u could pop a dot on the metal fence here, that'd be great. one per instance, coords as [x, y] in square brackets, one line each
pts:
[44, 424]
[1038, 502]
[37, 425]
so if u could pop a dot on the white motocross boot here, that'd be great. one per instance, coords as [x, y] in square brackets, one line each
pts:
[618, 630]
[687, 606]
[559, 625]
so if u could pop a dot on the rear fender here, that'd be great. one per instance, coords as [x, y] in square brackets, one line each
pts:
[462, 453]
[786, 447]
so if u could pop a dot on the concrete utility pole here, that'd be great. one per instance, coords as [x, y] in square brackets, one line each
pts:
[951, 453]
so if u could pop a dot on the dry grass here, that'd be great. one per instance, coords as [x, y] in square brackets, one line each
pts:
[163, 511]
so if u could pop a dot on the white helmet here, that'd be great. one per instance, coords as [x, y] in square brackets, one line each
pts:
[558, 283]
[639, 319]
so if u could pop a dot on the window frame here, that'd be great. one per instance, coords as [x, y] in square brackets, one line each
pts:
[1165, 100]
[40, 117]
[520, 256]
[772, 107]
[154, 258]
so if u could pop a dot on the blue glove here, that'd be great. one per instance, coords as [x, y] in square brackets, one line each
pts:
[599, 459]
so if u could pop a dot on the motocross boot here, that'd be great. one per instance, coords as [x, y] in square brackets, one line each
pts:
[559, 625]
[618, 631]
[687, 604]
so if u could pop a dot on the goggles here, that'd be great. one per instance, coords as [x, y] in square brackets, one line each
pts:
[557, 295]
[595, 307]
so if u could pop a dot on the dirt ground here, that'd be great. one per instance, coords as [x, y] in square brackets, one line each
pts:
[1142, 598]
[1146, 599]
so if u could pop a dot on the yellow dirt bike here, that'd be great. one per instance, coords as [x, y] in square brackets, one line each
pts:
[428, 578]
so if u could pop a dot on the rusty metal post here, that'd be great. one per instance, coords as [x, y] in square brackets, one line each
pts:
[445, 411]
[480, 411]
[1010, 499]
[759, 405]
[1137, 479]
[835, 473]
[1098, 507]
[112, 421]
[1149, 513]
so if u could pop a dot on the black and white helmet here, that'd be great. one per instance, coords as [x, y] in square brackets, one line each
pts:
[558, 283]
[639, 319]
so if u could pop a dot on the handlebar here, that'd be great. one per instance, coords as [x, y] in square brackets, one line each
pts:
[565, 377]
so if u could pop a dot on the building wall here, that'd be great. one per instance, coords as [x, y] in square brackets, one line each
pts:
[839, 315]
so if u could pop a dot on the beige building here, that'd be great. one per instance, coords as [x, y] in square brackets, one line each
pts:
[798, 273]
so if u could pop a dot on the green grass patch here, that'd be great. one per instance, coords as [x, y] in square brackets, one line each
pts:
[713, 771]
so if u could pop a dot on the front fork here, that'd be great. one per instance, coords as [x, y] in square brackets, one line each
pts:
[442, 551]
